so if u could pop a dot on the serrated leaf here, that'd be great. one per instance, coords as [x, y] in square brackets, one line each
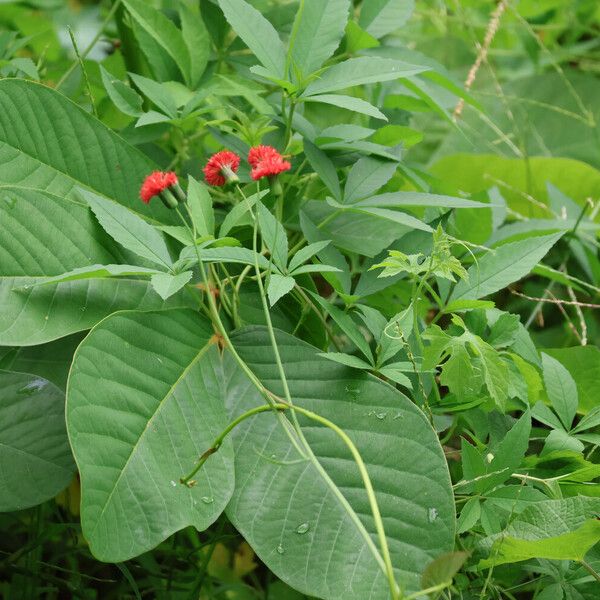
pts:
[361, 70]
[573, 545]
[366, 176]
[279, 286]
[357, 105]
[35, 458]
[561, 389]
[97, 272]
[309, 520]
[274, 235]
[157, 93]
[67, 238]
[62, 147]
[380, 17]
[319, 27]
[201, 208]
[234, 216]
[129, 230]
[166, 284]
[257, 33]
[503, 266]
[126, 99]
[196, 39]
[164, 32]
[325, 169]
[347, 359]
[346, 324]
[168, 398]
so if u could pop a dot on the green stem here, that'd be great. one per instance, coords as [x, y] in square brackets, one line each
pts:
[396, 594]
[109, 16]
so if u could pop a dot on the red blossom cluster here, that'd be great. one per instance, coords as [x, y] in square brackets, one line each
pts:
[155, 183]
[221, 167]
[264, 160]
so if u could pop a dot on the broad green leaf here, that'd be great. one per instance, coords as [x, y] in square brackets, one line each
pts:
[274, 236]
[201, 207]
[318, 29]
[50, 361]
[257, 33]
[165, 284]
[129, 230]
[54, 145]
[278, 286]
[164, 32]
[366, 176]
[465, 305]
[68, 237]
[144, 401]
[97, 272]
[361, 70]
[35, 458]
[561, 389]
[324, 167]
[162, 66]
[197, 41]
[396, 334]
[309, 520]
[126, 99]
[558, 440]
[469, 515]
[573, 545]
[502, 266]
[380, 17]
[357, 105]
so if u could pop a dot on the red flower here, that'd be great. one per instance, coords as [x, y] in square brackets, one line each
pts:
[266, 161]
[155, 183]
[221, 168]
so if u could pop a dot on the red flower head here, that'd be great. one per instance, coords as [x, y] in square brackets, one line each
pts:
[155, 183]
[266, 161]
[221, 168]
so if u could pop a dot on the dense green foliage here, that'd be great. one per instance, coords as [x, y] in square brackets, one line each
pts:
[358, 357]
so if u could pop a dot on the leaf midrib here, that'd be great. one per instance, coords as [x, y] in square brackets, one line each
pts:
[179, 379]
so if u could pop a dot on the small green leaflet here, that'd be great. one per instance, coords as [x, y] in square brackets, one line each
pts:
[128, 229]
[166, 284]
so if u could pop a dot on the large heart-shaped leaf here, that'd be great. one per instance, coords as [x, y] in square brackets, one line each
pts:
[309, 520]
[144, 400]
[35, 458]
[48, 142]
[49, 236]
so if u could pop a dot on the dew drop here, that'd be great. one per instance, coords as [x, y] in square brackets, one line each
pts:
[432, 514]
[280, 549]
[381, 416]
[398, 416]
[302, 528]
[207, 499]
[173, 483]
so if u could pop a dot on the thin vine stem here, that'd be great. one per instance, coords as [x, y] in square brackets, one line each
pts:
[187, 480]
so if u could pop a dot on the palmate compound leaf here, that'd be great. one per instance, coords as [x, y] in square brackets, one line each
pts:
[49, 236]
[35, 458]
[144, 400]
[309, 520]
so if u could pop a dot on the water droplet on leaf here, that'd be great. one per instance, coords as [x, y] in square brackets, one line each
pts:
[432, 514]
[173, 483]
[207, 499]
[381, 416]
[280, 549]
[302, 528]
